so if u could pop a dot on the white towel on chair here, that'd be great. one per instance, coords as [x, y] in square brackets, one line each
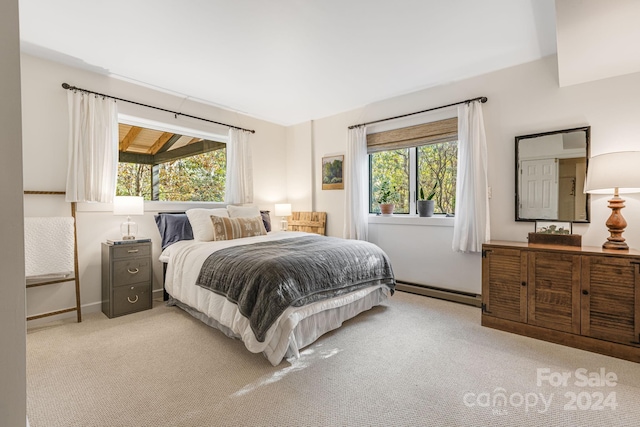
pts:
[48, 245]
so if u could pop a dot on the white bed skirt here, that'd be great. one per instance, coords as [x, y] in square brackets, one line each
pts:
[297, 327]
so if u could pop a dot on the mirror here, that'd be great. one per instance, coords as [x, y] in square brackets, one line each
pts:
[551, 168]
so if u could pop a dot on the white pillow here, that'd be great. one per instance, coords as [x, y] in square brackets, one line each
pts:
[243, 211]
[200, 220]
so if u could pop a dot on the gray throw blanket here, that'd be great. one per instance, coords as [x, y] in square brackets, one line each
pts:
[263, 279]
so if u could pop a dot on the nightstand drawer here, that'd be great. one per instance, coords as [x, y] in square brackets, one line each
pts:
[129, 271]
[128, 299]
[128, 251]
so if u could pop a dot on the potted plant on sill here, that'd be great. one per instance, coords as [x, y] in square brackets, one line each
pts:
[385, 198]
[426, 205]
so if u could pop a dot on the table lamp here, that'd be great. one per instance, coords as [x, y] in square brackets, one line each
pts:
[283, 210]
[615, 173]
[128, 205]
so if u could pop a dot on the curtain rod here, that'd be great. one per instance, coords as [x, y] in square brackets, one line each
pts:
[482, 99]
[69, 87]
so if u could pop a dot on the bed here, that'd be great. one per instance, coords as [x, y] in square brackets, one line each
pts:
[277, 291]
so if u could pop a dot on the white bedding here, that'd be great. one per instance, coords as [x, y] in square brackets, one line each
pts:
[296, 328]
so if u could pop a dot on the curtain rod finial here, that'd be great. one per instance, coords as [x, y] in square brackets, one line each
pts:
[65, 85]
[483, 99]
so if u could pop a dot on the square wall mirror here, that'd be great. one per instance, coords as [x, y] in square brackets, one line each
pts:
[551, 169]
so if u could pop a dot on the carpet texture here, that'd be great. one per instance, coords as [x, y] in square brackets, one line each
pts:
[415, 361]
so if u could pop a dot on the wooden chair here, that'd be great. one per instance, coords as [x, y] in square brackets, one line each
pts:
[311, 222]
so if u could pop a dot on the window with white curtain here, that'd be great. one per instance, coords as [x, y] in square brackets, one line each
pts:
[167, 165]
[413, 158]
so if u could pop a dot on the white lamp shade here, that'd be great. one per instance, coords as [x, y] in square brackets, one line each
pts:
[128, 205]
[283, 209]
[608, 171]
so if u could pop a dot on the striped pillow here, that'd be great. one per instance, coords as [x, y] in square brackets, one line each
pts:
[236, 228]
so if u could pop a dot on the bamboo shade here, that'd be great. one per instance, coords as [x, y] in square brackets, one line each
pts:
[412, 136]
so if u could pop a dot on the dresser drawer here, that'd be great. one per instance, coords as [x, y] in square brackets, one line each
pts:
[129, 271]
[129, 299]
[127, 279]
[127, 251]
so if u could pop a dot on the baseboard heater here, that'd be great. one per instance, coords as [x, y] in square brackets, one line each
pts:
[440, 293]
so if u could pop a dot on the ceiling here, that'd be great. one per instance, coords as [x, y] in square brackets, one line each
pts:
[289, 61]
[149, 146]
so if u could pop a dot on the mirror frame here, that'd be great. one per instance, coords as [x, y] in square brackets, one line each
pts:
[587, 131]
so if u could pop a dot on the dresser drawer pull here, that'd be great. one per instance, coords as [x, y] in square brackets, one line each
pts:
[134, 271]
[134, 301]
[133, 251]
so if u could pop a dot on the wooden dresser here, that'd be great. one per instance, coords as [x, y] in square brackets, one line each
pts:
[583, 297]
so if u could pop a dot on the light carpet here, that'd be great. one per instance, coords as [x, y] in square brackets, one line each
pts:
[415, 361]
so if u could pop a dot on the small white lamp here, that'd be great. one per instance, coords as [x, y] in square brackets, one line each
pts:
[283, 210]
[128, 205]
[615, 173]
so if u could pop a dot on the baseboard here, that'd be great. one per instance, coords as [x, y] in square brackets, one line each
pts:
[440, 293]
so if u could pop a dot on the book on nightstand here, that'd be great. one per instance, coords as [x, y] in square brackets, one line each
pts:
[128, 242]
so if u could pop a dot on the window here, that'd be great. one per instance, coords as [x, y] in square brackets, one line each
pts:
[436, 172]
[168, 166]
[392, 168]
[407, 159]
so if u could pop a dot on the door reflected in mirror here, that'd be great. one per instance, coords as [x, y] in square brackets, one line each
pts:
[551, 169]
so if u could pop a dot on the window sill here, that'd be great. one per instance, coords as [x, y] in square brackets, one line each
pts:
[152, 206]
[402, 219]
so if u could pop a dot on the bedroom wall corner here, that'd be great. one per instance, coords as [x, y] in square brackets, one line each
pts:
[13, 394]
[300, 167]
[330, 139]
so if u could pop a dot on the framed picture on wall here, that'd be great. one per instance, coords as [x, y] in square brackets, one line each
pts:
[332, 173]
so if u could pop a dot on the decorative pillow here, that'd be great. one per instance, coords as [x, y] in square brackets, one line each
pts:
[173, 227]
[266, 220]
[243, 211]
[200, 220]
[236, 228]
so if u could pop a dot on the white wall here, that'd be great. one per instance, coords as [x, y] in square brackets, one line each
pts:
[603, 30]
[45, 122]
[13, 392]
[523, 100]
[299, 159]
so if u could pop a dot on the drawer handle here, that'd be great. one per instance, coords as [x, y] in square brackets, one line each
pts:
[134, 271]
[133, 251]
[134, 301]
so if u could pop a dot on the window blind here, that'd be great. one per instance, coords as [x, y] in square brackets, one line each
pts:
[413, 136]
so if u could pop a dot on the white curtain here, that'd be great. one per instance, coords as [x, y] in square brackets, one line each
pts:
[356, 185]
[471, 225]
[93, 148]
[239, 168]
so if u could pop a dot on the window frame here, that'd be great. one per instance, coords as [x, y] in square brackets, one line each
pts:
[181, 130]
[411, 137]
[413, 180]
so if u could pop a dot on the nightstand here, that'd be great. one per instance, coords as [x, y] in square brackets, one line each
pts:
[126, 276]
